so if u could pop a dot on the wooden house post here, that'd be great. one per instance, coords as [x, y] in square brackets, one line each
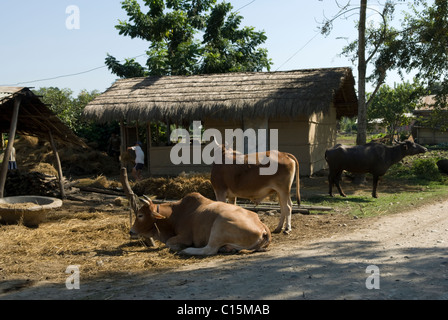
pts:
[148, 145]
[58, 166]
[12, 134]
[122, 143]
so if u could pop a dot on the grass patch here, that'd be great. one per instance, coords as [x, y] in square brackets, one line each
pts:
[362, 204]
[415, 181]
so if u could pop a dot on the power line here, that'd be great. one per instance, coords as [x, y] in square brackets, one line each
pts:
[295, 53]
[248, 4]
[58, 77]
[69, 75]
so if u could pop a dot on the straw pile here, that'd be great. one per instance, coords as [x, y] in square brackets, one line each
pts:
[96, 241]
[37, 155]
[98, 182]
[175, 187]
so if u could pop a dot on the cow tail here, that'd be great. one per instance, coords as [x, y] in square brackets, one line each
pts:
[297, 179]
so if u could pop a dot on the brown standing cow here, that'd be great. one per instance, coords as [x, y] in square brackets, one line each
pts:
[231, 179]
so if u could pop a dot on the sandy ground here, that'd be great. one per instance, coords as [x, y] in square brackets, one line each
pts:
[408, 249]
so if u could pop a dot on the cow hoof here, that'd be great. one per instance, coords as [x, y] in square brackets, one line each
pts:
[278, 230]
[286, 231]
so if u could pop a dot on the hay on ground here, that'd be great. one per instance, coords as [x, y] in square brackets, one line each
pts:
[176, 187]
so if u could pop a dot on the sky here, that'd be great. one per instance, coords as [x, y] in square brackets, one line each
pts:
[40, 39]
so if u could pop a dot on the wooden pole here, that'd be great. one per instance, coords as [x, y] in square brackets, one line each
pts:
[58, 166]
[133, 199]
[148, 145]
[122, 143]
[12, 134]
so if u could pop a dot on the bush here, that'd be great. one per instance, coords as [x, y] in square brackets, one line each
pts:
[426, 169]
[399, 170]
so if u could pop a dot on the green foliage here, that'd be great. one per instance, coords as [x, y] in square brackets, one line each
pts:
[348, 125]
[69, 110]
[419, 169]
[391, 104]
[61, 103]
[420, 45]
[172, 27]
[425, 42]
[129, 69]
[426, 169]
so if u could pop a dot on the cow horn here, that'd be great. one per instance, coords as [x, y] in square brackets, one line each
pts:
[145, 201]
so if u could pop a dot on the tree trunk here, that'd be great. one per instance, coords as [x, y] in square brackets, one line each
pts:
[361, 137]
[362, 108]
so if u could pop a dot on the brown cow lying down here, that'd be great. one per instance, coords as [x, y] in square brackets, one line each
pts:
[202, 226]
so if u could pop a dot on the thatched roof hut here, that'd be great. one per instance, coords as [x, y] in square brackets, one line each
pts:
[178, 99]
[21, 111]
[303, 105]
[35, 118]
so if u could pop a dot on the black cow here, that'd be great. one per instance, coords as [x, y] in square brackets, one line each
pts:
[443, 166]
[374, 158]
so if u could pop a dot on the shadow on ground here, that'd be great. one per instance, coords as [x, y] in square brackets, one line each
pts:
[323, 270]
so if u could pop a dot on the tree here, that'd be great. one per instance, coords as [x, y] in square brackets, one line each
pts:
[364, 50]
[60, 102]
[172, 28]
[69, 111]
[391, 105]
[422, 46]
[361, 136]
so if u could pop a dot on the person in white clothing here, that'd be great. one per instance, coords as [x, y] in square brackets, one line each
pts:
[139, 160]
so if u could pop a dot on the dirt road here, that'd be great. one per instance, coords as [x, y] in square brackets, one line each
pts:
[408, 249]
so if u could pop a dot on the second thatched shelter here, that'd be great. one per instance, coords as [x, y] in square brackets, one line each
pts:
[303, 105]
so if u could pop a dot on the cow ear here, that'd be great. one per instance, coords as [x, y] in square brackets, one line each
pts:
[157, 215]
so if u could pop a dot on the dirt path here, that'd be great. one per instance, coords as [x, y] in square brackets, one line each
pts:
[409, 249]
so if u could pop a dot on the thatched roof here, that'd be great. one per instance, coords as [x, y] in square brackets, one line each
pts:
[178, 99]
[35, 118]
[427, 105]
